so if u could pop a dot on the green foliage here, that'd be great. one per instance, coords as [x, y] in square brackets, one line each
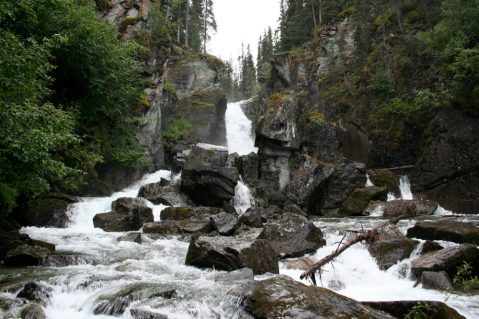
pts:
[169, 87]
[203, 105]
[315, 117]
[176, 130]
[464, 278]
[421, 310]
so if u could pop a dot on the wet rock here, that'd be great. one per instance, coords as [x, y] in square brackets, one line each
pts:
[385, 178]
[408, 208]
[144, 314]
[225, 224]
[450, 230]
[184, 213]
[429, 246]
[438, 280]
[226, 253]
[132, 237]
[50, 210]
[129, 214]
[292, 236]
[247, 166]
[178, 227]
[32, 311]
[399, 309]
[253, 217]
[206, 180]
[359, 200]
[282, 297]
[159, 193]
[294, 209]
[26, 255]
[301, 263]
[391, 246]
[35, 292]
[245, 274]
[115, 304]
[448, 260]
[7, 303]
[64, 259]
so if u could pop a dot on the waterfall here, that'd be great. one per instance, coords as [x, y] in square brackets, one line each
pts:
[368, 181]
[175, 179]
[405, 188]
[239, 134]
[243, 199]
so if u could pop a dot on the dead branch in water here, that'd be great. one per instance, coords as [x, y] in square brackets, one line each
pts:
[368, 236]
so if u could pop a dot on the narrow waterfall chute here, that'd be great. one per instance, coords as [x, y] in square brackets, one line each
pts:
[243, 199]
[239, 135]
[405, 187]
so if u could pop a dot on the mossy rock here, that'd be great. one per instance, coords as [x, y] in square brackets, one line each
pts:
[385, 178]
[360, 198]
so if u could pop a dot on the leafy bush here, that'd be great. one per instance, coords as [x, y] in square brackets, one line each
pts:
[464, 278]
[421, 310]
[176, 130]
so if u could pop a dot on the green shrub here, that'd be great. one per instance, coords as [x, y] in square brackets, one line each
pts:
[464, 278]
[176, 130]
[203, 105]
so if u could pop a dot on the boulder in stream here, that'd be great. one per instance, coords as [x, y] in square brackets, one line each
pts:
[383, 177]
[26, 255]
[159, 193]
[391, 246]
[32, 311]
[129, 214]
[225, 224]
[145, 314]
[399, 309]
[438, 280]
[410, 208]
[178, 227]
[450, 230]
[35, 292]
[283, 297]
[184, 213]
[448, 259]
[359, 200]
[227, 253]
[292, 236]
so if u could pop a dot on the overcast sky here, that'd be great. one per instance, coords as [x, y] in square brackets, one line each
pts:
[241, 21]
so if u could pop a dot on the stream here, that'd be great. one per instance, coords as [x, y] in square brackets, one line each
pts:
[105, 266]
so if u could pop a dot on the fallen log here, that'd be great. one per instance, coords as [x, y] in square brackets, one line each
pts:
[368, 236]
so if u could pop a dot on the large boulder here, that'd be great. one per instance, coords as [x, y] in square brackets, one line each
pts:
[129, 214]
[447, 169]
[146, 314]
[159, 193]
[385, 178]
[292, 236]
[359, 200]
[282, 297]
[26, 255]
[179, 227]
[450, 230]
[391, 246]
[409, 208]
[35, 292]
[448, 259]
[438, 280]
[432, 309]
[206, 180]
[227, 253]
[32, 311]
[49, 210]
[225, 224]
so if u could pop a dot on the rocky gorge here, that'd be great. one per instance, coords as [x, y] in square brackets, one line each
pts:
[222, 230]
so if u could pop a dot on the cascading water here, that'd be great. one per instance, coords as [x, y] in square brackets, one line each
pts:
[243, 199]
[405, 188]
[239, 130]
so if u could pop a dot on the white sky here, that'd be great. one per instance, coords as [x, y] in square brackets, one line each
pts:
[241, 21]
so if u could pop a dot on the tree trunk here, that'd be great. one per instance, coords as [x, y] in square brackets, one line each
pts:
[187, 23]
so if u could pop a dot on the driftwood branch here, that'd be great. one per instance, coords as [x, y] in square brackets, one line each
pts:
[368, 236]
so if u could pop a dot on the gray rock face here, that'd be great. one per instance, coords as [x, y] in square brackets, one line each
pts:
[132, 237]
[178, 227]
[225, 224]
[129, 214]
[50, 210]
[385, 178]
[185, 213]
[292, 236]
[226, 253]
[448, 260]
[438, 280]
[391, 246]
[206, 180]
[408, 208]
[282, 297]
[247, 166]
[253, 217]
[159, 193]
[447, 169]
[143, 314]
[449, 230]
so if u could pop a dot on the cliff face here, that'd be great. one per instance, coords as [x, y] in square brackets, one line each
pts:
[181, 86]
[318, 132]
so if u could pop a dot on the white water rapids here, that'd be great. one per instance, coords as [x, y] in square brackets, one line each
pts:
[160, 262]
